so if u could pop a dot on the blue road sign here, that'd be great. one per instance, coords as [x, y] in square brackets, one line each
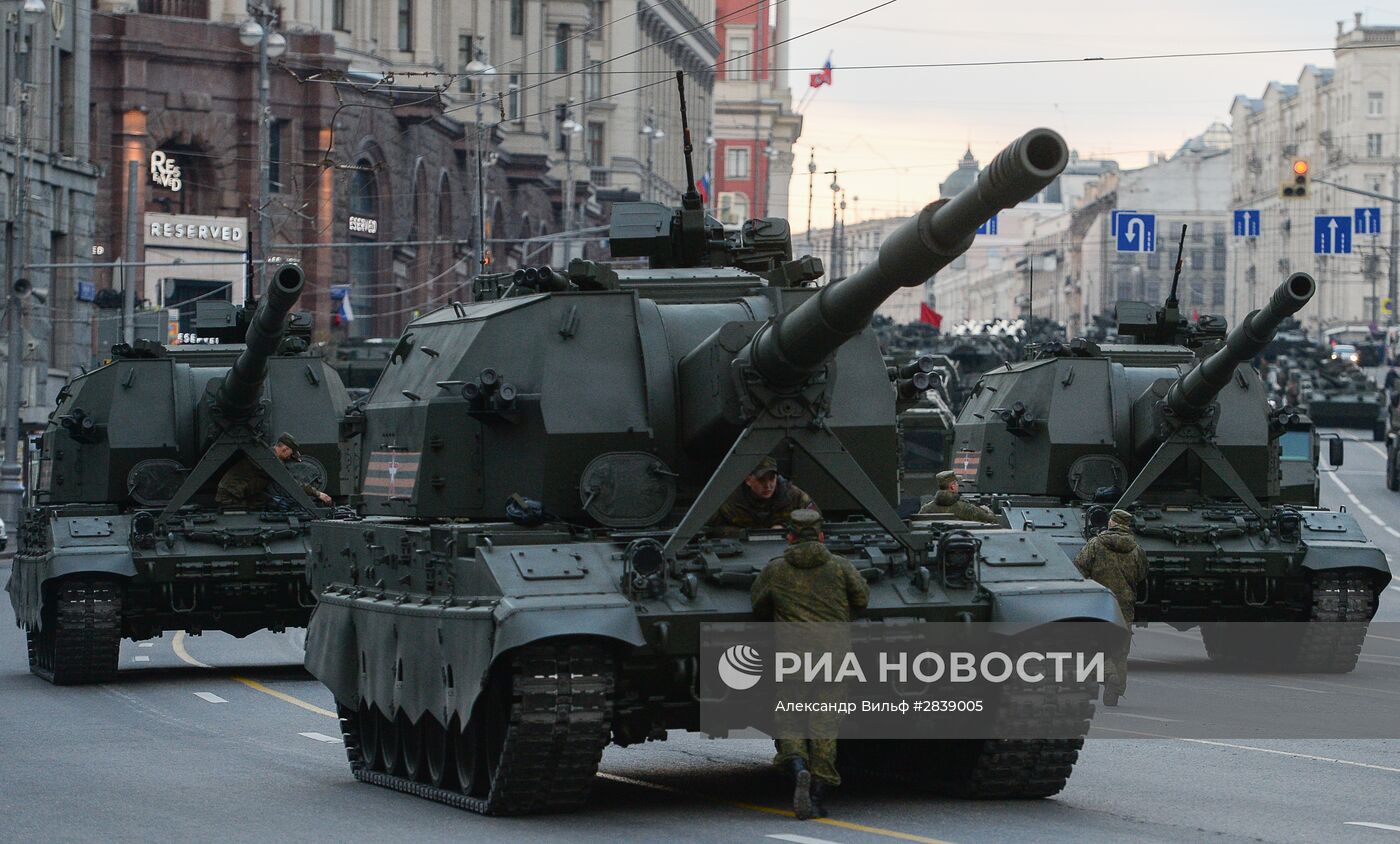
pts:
[989, 227]
[1331, 235]
[1137, 232]
[87, 291]
[1367, 220]
[1113, 221]
[1247, 222]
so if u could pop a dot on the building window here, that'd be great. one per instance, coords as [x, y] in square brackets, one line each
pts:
[1373, 145]
[513, 97]
[466, 51]
[274, 155]
[364, 255]
[405, 25]
[736, 163]
[593, 81]
[67, 101]
[1375, 180]
[1375, 104]
[1217, 259]
[733, 208]
[595, 144]
[338, 15]
[517, 17]
[740, 64]
[1198, 259]
[561, 46]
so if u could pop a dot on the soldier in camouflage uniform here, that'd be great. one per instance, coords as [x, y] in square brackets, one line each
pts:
[1114, 559]
[809, 584]
[949, 501]
[245, 483]
[763, 501]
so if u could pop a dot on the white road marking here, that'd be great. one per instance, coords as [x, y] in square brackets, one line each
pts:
[1305, 756]
[1370, 825]
[1377, 519]
[1392, 531]
[1298, 689]
[1370, 635]
[209, 697]
[1131, 715]
[1367, 510]
[140, 659]
[1340, 483]
[1377, 449]
[321, 737]
[799, 839]
[1194, 633]
[145, 644]
[1396, 588]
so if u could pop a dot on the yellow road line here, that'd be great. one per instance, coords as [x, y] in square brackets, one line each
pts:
[772, 810]
[283, 696]
[177, 644]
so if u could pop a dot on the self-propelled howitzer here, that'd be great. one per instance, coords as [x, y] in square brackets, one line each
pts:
[1189, 442]
[538, 469]
[124, 537]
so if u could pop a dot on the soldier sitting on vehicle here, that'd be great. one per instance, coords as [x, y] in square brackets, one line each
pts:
[1114, 560]
[809, 584]
[245, 484]
[949, 501]
[765, 500]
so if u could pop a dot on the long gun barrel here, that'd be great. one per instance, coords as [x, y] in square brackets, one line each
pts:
[787, 351]
[1193, 392]
[241, 388]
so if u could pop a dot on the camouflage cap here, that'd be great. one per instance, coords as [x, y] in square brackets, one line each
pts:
[290, 442]
[946, 478]
[1120, 517]
[764, 467]
[805, 524]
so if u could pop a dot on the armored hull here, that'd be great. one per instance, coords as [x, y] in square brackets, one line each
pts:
[127, 538]
[538, 472]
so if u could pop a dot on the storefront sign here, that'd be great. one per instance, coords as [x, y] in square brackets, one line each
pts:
[222, 233]
[364, 225]
[164, 171]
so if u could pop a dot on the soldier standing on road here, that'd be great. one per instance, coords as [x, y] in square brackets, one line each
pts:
[245, 483]
[809, 584]
[1114, 560]
[949, 501]
[765, 500]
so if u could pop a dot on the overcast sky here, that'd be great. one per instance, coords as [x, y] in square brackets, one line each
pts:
[894, 134]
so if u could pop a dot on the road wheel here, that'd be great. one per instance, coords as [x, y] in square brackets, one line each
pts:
[437, 752]
[370, 738]
[390, 748]
[415, 766]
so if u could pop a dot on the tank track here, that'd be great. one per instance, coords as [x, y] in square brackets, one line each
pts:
[80, 639]
[1329, 642]
[560, 716]
[1333, 648]
[989, 768]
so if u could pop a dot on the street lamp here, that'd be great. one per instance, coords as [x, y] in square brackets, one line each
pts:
[478, 68]
[711, 145]
[257, 31]
[569, 127]
[653, 134]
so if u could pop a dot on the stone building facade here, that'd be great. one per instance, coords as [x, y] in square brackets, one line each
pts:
[48, 185]
[1342, 122]
[755, 126]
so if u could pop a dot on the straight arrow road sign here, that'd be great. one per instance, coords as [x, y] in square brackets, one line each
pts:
[1331, 235]
[1366, 220]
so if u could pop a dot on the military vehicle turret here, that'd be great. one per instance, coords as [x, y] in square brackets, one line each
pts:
[1189, 443]
[125, 538]
[539, 469]
[1344, 396]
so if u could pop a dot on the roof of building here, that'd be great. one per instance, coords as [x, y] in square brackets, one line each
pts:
[960, 178]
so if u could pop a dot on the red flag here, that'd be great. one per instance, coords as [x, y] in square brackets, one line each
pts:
[822, 77]
[930, 316]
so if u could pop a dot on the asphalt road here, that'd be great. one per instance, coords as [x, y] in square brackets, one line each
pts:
[213, 738]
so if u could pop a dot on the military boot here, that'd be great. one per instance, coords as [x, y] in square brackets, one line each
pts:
[801, 789]
[820, 791]
[1110, 698]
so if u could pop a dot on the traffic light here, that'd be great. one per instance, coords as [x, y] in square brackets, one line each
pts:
[1297, 185]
